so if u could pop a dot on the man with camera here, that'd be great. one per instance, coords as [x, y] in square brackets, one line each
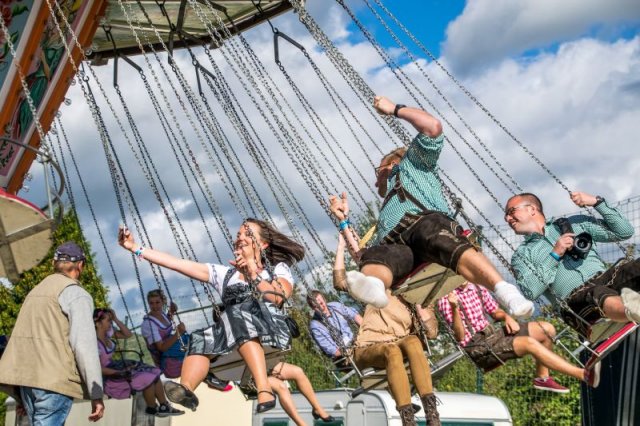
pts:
[557, 258]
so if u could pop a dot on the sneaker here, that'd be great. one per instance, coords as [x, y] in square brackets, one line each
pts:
[592, 375]
[178, 394]
[548, 384]
[631, 302]
[510, 297]
[165, 410]
[368, 290]
[218, 384]
[151, 411]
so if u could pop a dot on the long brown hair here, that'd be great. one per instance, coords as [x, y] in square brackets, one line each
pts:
[280, 247]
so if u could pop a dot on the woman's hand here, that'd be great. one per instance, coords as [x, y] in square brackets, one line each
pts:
[245, 264]
[181, 328]
[125, 238]
[111, 314]
[173, 308]
[339, 206]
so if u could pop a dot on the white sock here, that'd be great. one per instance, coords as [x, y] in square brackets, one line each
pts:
[367, 289]
[510, 297]
[631, 302]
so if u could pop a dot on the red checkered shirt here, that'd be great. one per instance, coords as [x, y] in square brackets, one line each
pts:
[471, 309]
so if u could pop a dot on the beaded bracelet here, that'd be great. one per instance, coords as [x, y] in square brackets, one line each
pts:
[139, 252]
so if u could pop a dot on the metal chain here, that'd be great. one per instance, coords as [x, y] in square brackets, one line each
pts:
[416, 63]
[119, 180]
[322, 130]
[146, 164]
[58, 124]
[285, 145]
[471, 96]
[345, 68]
[209, 197]
[399, 72]
[235, 122]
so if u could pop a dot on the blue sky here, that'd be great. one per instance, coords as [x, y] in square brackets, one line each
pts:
[426, 19]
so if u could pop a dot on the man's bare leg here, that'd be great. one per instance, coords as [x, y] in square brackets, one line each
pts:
[476, 268]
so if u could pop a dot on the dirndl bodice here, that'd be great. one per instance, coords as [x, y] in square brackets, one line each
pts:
[244, 315]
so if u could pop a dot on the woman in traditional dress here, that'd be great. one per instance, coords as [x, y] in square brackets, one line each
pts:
[253, 289]
[167, 344]
[162, 340]
[123, 376]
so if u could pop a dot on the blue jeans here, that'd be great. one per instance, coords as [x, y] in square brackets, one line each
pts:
[45, 408]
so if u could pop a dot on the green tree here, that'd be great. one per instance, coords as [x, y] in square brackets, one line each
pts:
[11, 297]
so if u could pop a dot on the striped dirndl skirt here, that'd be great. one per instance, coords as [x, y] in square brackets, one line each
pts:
[243, 318]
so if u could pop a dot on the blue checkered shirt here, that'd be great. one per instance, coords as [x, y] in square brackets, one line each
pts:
[538, 273]
[418, 173]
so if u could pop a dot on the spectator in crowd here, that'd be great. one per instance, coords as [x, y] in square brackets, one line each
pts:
[52, 356]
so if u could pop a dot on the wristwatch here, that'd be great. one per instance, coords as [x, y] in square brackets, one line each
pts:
[397, 108]
[599, 200]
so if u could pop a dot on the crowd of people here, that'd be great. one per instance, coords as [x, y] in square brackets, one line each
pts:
[54, 354]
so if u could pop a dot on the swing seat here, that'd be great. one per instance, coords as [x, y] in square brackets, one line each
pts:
[608, 343]
[25, 235]
[427, 283]
[231, 367]
[441, 367]
[372, 379]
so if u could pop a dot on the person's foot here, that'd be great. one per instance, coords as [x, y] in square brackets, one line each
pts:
[510, 297]
[218, 384]
[365, 289]
[266, 405]
[548, 384]
[592, 375]
[151, 411]
[178, 394]
[631, 302]
[327, 418]
[165, 410]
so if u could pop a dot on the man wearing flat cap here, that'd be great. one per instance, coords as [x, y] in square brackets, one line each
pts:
[52, 356]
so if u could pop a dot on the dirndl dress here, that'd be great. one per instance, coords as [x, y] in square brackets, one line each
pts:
[154, 330]
[243, 317]
[142, 375]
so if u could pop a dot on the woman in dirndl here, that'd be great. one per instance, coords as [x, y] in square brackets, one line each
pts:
[253, 289]
[123, 376]
[163, 341]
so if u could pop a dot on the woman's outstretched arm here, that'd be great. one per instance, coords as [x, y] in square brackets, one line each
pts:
[189, 268]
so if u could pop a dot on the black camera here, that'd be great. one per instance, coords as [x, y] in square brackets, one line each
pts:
[582, 242]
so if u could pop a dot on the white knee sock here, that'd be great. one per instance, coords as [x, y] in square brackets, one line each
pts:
[366, 289]
[510, 297]
[631, 302]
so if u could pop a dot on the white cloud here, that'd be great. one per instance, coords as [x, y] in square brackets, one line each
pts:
[489, 30]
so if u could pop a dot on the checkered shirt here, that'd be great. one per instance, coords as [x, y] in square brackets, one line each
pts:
[472, 311]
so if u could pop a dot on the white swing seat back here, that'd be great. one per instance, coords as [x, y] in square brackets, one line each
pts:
[25, 235]
[428, 283]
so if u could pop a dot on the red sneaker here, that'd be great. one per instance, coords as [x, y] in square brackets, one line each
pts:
[592, 375]
[548, 384]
